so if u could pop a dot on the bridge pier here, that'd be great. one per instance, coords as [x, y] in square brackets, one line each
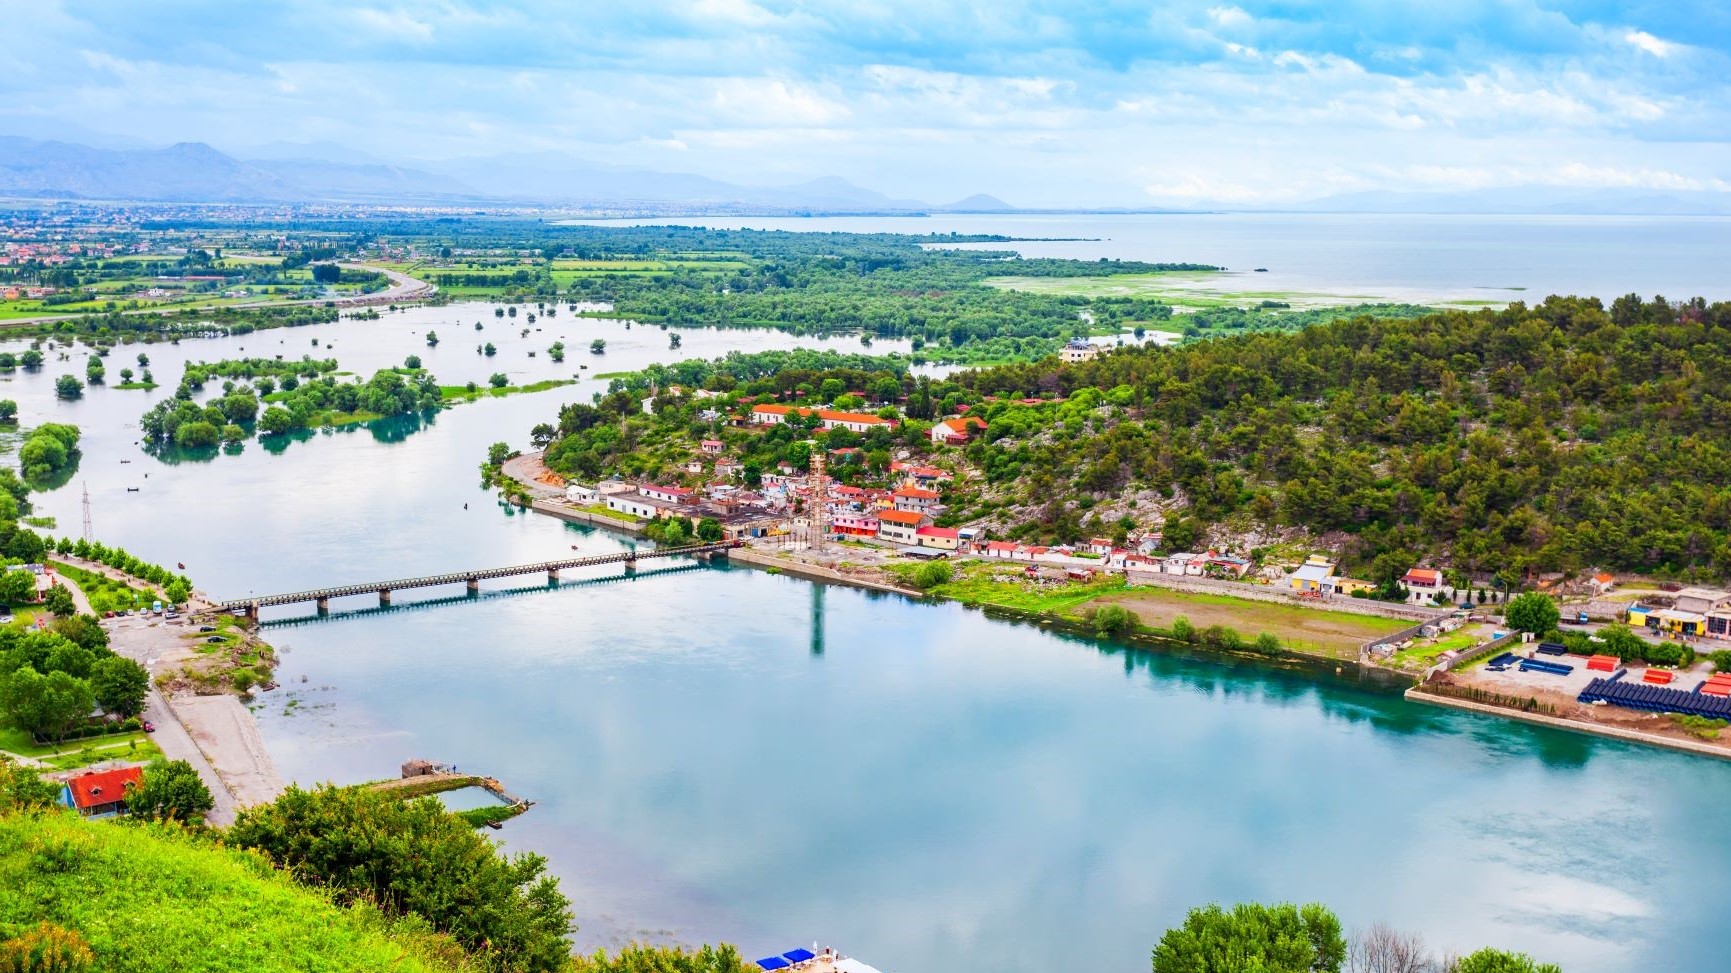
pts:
[630, 562]
[252, 613]
[384, 597]
[474, 586]
[552, 576]
[324, 605]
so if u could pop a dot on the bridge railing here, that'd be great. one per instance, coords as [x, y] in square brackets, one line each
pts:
[482, 574]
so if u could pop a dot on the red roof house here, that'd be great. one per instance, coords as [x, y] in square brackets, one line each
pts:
[102, 792]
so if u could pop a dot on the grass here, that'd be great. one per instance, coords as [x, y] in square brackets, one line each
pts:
[461, 393]
[131, 386]
[1423, 653]
[132, 745]
[153, 899]
[480, 817]
[105, 593]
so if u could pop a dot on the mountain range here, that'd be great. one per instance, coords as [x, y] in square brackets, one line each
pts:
[324, 172]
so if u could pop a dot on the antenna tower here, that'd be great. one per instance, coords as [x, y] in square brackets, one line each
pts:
[86, 486]
[817, 488]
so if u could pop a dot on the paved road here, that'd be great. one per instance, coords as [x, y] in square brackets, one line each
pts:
[403, 288]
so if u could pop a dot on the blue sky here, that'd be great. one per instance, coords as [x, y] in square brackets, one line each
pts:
[1043, 103]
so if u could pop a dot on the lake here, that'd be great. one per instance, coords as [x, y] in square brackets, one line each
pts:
[721, 753]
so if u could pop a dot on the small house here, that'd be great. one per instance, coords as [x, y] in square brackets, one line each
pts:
[1100, 546]
[1425, 580]
[941, 538]
[102, 793]
[914, 498]
[712, 447]
[1312, 575]
[901, 526]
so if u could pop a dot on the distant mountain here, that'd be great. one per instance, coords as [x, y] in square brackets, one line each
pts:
[978, 203]
[553, 177]
[195, 172]
[1528, 200]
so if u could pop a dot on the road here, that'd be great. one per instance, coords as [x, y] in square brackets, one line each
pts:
[403, 288]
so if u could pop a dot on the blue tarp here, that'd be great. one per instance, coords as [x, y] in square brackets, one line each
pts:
[1554, 668]
[774, 963]
[798, 955]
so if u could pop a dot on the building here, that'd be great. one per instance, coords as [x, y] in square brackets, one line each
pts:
[578, 493]
[1700, 601]
[915, 499]
[671, 494]
[1227, 564]
[942, 538]
[712, 447]
[770, 414]
[1312, 575]
[1182, 563]
[1672, 620]
[1001, 549]
[1602, 583]
[1078, 350]
[1423, 579]
[102, 793]
[1346, 586]
[956, 432]
[641, 505]
[855, 523]
[1100, 546]
[901, 526]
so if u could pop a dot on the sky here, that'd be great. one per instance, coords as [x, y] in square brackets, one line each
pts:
[1099, 103]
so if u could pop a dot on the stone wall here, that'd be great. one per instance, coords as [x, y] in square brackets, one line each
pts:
[1284, 596]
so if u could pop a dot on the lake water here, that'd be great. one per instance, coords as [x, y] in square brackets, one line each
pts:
[723, 753]
[1401, 257]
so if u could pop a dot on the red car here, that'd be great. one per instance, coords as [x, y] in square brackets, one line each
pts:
[149, 727]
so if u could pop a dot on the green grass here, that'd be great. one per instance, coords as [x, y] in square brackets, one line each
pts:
[150, 899]
[132, 386]
[105, 593]
[460, 393]
[480, 817]
[132, 745]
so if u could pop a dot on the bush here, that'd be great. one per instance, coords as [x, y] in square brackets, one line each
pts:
[1267, 644]
[1114, 620]
[1721, 660]
[1182, 630]
[931, 574]
[1532, 612]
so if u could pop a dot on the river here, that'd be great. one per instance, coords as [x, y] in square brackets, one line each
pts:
[721, 753]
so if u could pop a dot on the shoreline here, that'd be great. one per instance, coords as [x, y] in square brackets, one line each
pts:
[1417, 694]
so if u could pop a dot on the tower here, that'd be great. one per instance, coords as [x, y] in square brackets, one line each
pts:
[86, 486]
[817, 498]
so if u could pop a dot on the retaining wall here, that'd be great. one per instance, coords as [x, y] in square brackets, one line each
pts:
[1283, 596]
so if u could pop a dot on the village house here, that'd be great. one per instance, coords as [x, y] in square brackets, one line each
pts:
[1183, 562]
[1001, 549]
[1079, 350]
[770, 414]
[642, 505]
[1423, 580]
[901, 526]
[579, 494]
[1601, 583]
[1312, 574]
[1100, 546]
[1336, 585]
[713, 447]
[671, 494]
[727, 467]
[102, 793]
[915, 499]
[1700, 601]
[692, 466]
[1149, 543]
[1228, 565]
[941, 538]
[856, 523]
[956, 431]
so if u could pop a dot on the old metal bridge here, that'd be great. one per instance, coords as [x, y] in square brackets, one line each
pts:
[322, 596]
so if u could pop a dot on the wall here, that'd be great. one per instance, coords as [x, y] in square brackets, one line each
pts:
[1281, 595]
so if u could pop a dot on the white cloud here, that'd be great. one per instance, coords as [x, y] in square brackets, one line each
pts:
[398, 25]
[1641, 40]
[1229, 16]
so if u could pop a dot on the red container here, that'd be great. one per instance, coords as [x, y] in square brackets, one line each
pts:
[1603, 663]
[1660, 676]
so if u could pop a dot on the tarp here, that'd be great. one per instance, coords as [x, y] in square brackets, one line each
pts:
[774, 963]
[798, 955]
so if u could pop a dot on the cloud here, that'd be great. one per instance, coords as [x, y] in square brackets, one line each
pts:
[1045, 100]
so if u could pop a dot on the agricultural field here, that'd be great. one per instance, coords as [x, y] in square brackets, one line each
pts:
[1311, 630]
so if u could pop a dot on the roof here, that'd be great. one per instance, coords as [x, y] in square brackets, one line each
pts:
[1603, 578]
[780, 410]
[1313, 572]
[905, 517]
[1098, 541]
[103, 787]
[916, 493]
[950, 532]
[677, 491]
[1429, 575]
[830, 415]
[1002, 545]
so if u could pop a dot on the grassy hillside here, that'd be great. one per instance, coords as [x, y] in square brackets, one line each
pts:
[150, 900]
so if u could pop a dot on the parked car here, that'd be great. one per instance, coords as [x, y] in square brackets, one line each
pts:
[149, 727]
[207, 628]
[216, 640]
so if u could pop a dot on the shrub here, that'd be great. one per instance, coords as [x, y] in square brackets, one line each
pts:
[930, 575]
[1114, 620]
[1182, 630]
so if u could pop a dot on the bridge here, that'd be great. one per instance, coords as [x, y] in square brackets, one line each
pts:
[322, 596]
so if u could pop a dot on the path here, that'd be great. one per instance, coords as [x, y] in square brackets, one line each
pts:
[527, 469]
[403, 288]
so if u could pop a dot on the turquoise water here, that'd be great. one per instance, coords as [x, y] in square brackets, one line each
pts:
[724, 753]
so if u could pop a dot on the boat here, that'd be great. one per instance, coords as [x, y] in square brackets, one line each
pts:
[181, 565]
[131, 489]
[1262, 270]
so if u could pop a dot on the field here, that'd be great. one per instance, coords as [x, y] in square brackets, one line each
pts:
[149, 900]
[130, 746]
[1188, 290]
[1337, 634]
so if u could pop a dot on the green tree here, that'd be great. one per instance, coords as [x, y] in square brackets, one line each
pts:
[177, 590]
[414, 857]
[597, 347]
[31, 359]
[432, 338]
[120, 685]
[17, 587]
[413, 361]
[931, 574]
[642, 958]
[1114, 620]
[23, 789]
[68, 387]
[8, 411]
[498, 453]
[170, 791]
[276, 421]
[1532, 612]
[197, 435]
[1620, 642]
[85, 631]
[498, 380]
[327, 273]
[59, 601]
[46, 705]
[1281, 938]
[709, 530]
[1490, 960]
[1183, 630]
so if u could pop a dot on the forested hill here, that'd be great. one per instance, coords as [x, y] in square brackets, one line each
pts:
[1558, 437]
